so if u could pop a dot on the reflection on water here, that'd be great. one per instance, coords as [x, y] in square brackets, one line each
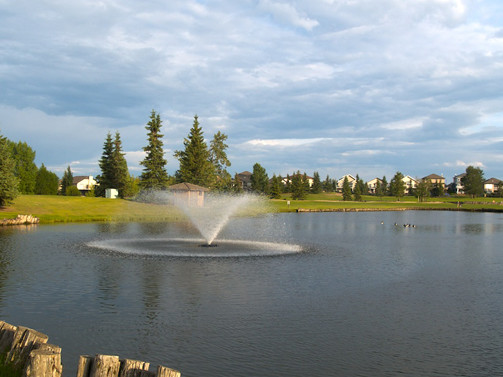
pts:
[370, 297]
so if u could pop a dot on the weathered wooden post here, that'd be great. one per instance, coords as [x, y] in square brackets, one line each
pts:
[25, 340]
[84, 367]
[44, 361]
[134, 368]
[167, 372]
[105, 366]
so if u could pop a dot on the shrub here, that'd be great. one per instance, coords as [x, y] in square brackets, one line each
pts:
[72, 191]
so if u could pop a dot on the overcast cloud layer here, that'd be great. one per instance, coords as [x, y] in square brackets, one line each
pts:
[335, 86]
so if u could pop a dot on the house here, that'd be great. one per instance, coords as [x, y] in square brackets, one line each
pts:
[245, 178]
[492, 185]
[84, 183]
[410, 184]
[351, 180]
[457, 185]
[288, 179]
[189, 194]
[435, 179]
[372, 185]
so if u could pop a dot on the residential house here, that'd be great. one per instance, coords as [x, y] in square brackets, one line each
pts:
[457, 185]
[245, 178]
[188, 193]
[372, 185]
[410, 184]
[288, 179]
[351, 180]
[84, 183]
[436, 179]
[491, 185]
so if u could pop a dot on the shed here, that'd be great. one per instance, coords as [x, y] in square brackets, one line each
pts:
[189, 193]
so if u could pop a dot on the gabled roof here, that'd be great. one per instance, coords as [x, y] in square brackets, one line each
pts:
[185, 186]
[433, 176]
[246, 172]
[492, 181]
[79, 178]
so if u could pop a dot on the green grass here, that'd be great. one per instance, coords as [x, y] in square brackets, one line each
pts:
[53, 209]
[9, 369]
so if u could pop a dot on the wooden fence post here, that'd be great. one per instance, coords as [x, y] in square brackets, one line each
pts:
[167, 372]
[105, 366]
[44, 361]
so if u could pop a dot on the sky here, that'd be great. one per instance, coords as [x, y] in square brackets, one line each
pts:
[335, 86]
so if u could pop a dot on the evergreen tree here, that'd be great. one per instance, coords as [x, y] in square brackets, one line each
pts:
[361, 186]
[8, 181]
[218, 158]
[316, 187]
[473, 181]
[275, 187]
[120, 174]
[327, 184]
[195, 164]
[357, 191]
[346, 189]
[154, 175]
[105, 179]
[423, 189]
[46, 182]
[259, 179]
[67, 180]
[25, 168]
[288, 184]
[298, 187]
[384, 186]
[397, 185]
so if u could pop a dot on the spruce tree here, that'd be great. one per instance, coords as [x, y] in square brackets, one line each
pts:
[105, 180]
[46, 182]
[8, 181]
[316, 187]
[346, 189]
[275, 187]
[195, 164]
[154, 175]
[120, 173]
[298, 187]
[67, 180]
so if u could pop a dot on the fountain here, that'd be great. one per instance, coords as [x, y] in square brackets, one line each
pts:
[209, 216]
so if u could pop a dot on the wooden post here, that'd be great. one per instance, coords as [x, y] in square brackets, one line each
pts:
[44, 361]
[25, 340]
[84, 367]
[167, 372]
[133, 368]
[7, 332]
[105, 366]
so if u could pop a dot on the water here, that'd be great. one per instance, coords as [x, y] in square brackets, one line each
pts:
[361, 299]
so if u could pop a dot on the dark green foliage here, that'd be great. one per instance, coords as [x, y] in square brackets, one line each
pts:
[299, 190]
[25, 168]
[473, 181]
[358, 191]
[195, 164]
[218, 158]
[120, 172]
[72, 191]
[423, 189]
[275, 187]
[288, 184]
[437, 189]
[384, 187]
[104, 180]
[346, 189]
[67, 180]
[328, 184]
[397, 185]
[46, 182]
[362, 187]
[259, 179]
[8, 181]
[154, 175]
[237, 185]
[499, 191]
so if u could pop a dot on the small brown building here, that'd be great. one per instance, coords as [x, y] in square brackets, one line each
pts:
[188, 193]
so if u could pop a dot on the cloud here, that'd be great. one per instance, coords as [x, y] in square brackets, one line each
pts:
[285, 12]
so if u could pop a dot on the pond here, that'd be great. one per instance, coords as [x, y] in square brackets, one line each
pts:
[361, 295]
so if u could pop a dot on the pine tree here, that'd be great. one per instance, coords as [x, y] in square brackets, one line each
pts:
[195, 164]
[67, 180]
[346, 189]
[275, 187]
[298, 187]
[259, 179]
[46, 182]
[384, 186]
[120, 172]
[357, 191]
[316, 187]
[105, 180]
[154, 175]
[327, 184]
[8, 181]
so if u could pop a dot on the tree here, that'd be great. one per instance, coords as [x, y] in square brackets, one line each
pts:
[46, 182]
[316, 187]
[72, 191]
[259, 179]
[8, 180]
[327, 184]
[384, 186]
[154, 175]
[288, 184]
[218, 158]
[120, 173]
[25, 168]
[473, 181]
[195, 164]
[237, 185]
[346, 189]
[397, 185]
[104, 180]
[298, 187]
[423, 189]
[275, 187]
[361, 185]
[67, 180]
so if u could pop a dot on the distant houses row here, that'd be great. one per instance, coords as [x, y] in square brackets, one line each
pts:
[490, 185]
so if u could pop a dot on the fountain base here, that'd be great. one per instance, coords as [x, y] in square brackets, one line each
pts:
[208, 245]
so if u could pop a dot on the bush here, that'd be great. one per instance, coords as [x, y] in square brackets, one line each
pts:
[72, 191]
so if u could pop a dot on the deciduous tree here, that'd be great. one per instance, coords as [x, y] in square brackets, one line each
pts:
[218, 157]
[397, 185]
[25, 168]
[259, 179]
[8, 181]
[46, 182]
[473, 181]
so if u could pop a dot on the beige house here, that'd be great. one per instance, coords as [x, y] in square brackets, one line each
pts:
[435, 179]
[458, 185]
[491, 185]
[84, 183]
[372, 185]
[410, 184]
[288, 180]
[189, 194]
[351, 180]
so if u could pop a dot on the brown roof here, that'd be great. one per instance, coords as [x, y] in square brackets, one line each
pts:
[434, 176]
[79, 178]
[185, 186]
[493, 181]
[246, 172]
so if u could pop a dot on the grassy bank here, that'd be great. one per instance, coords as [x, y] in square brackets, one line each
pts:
[51, 209]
